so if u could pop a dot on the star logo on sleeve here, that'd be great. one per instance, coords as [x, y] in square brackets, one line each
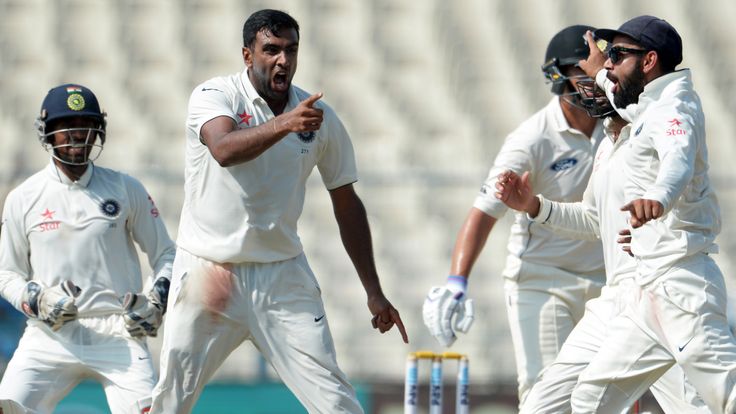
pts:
[48, 214]
[245, 118]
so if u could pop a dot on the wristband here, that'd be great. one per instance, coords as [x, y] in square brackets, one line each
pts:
[457, 283]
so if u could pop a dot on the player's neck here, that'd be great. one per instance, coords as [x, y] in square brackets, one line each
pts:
[73, 172]
[578, 119]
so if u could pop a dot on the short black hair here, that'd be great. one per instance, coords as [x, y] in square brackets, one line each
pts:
[273, 20]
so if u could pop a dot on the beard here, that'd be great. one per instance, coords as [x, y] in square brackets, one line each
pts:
[630, 88]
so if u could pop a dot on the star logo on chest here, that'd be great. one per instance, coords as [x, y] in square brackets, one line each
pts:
[245, 118]
[48, 214]
[675, 122]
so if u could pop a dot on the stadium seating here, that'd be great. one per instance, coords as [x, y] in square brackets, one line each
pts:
[428, 90]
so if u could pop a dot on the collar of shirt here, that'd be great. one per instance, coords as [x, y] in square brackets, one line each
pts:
[55, 174]
[653, 90]
[256, 99]
[561, 124]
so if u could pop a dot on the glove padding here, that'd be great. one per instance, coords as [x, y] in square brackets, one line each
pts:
[439, 309]
[54, 306]
[143, 314]
[11, 407]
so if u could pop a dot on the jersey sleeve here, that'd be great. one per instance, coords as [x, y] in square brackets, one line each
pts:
[15, 265]
[674, 136]
[515, 155]
[336, 162]
[207, 102]
[149, 231]
[575, 220]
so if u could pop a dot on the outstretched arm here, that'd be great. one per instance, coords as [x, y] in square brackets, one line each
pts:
[230, 145]
[356, 237]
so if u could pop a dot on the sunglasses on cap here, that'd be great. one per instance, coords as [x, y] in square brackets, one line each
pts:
[616, 53]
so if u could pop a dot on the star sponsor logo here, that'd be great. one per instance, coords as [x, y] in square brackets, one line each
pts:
[154, 210]
[675, 128]
[49, 223]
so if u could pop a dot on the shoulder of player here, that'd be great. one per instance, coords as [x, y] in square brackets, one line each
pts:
[219, 84]
[112, 177]
[534, 131]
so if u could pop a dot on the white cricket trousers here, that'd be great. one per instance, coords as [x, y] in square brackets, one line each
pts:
[543, 305]
[213, 308]
[679, 318]
[47, 365]
[551, 394]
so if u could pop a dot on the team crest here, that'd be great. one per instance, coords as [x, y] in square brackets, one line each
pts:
[307, 137]
[75, 102]
[110, 208]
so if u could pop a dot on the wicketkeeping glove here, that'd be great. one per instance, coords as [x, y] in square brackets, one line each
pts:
[447, 310]
[143, 314]
[55, 306]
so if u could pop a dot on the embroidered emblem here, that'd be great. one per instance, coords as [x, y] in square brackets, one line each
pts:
[110, 208]
[307, 137]
[75, 102]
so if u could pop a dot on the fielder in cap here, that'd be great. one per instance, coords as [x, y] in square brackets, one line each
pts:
[68, 261]
[674, 219]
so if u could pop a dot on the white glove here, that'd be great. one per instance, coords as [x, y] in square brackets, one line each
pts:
[55, 306]
[11, 407]
[444, 303]
[143, 314]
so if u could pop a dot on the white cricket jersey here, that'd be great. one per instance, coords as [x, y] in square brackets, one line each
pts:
[599, 214]
[559, 160]
[668, 163]
[55, 229]
[248, 212]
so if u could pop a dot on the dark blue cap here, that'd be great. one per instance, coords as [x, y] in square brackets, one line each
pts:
[70, 100]
[652, 33]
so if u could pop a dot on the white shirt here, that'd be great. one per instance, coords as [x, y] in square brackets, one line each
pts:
[669, 163]
[248, 212]
[559, 160]
[55, 229]
[599, 214]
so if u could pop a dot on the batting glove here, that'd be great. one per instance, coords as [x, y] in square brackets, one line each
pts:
[54, 306]
[11, 407]
[447, 310]
[143, 314]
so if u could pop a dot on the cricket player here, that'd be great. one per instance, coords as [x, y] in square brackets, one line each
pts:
[598, 215]
[548, 277]
[68, 261]
[674, 219]
[240, 273]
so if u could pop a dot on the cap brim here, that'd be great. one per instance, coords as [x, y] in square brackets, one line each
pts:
[609, 34]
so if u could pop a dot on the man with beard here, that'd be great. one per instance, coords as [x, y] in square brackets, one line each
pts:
[679, 315]
[548, 276]
[240, 272]
[67, 258]
[597, 216]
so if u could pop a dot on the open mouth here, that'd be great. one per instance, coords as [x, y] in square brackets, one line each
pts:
[280, 82]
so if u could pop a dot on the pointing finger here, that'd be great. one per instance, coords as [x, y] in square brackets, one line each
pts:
[312, 99]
